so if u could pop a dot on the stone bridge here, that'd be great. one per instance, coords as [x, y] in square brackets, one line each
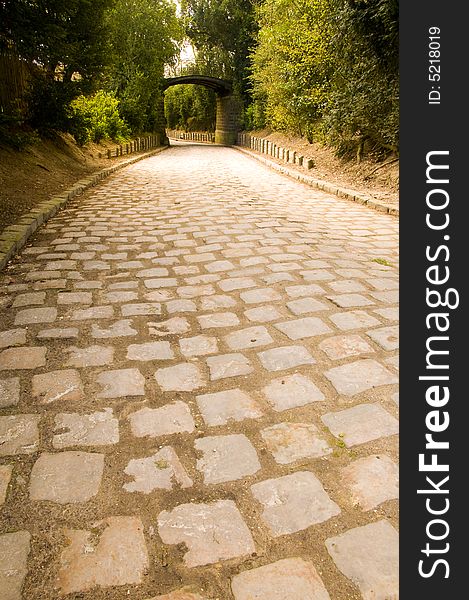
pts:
[228, 108]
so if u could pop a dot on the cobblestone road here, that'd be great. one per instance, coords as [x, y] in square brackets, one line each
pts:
[198, 391]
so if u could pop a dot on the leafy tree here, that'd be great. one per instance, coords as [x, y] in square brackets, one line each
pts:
[190, 107]
[144, 36]
[328, 69]
[223, 32]
[64, 41]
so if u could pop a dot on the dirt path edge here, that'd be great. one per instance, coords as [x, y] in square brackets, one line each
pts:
[14, 237]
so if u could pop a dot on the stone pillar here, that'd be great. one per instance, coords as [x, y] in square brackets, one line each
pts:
[227, 127]
[160, 122]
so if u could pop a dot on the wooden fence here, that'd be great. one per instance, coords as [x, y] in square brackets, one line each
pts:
[14, 84]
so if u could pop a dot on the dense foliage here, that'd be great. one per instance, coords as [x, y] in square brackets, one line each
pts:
[143, 38]
[190, 107]
[323, 69]
[328, 69]
[96, 117]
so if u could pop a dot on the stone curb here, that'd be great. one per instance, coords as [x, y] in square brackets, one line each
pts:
[14, 237]
[320, 184]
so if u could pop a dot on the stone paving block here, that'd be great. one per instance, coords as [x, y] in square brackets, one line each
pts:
[95, 429]
[162, 282]
[383, 284]
[219, 408]
[293, 502]
[30, 316]
[358, 376]
[194, 291]
[298, 291]
[92, 356]
[263, 314]
[58, 333]
[212, 532]
[289, 442]
[347, 285]
[354, 319]
[390, 297]
[9, 392]
[175, 325]
[277, 277]
[227, 319]
[292, 391]
[12, 337]
[5, 476]
[66, 477]
[371, 480]
[250, 337]
[317, 275]
[19, 434]
[286, 579]
[74, 298]
[361, 423]
[178, 306]
[285, 357]
[184, 377]
[162, 470]
[343, 346]
[226, 458]
[29, 299]
[199, 345]
[306, 305]
[119, 383]
[120, 328]
[90, 314]
[153, 422]
[369, 557]
[22, 357]
[219, 266]
[349, 300]
[113, 553]
[150, 351]
[141, 309]
[236, 283]
[119, 296]
[154, 272]
[159, 295]
[182, 594]
[228, 365]
[260, 295]
[217, 301]
[392, 314]
[57, 385]
[298, 329]
[386, 337]
[14, 551]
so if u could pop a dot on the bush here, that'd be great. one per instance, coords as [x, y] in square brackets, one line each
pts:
[94, 118]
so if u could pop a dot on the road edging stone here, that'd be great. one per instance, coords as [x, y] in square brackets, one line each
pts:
[14, 237]
[325, 186]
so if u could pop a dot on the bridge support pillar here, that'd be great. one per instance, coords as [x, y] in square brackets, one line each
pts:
[160, 122]
[227, 125]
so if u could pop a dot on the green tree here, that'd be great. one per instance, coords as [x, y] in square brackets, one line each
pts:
[223, 32]
[64, 43]
[144, 37]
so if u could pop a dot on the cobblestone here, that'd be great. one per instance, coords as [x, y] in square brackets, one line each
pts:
[211, 532]
[184, 354]
[293, 502]
[369, 556]
[66, 477]
[292, 578]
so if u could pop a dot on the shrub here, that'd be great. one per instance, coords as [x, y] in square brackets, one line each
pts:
[96, 117]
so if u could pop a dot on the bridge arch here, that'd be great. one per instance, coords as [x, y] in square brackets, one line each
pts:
[228, 109]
